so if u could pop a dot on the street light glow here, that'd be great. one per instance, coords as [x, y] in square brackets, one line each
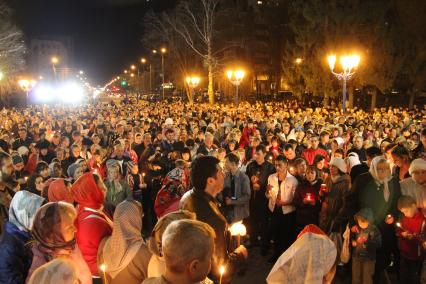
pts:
[143, 60]
[163, 50]
[154, 51]
[133, 67]
[54, 60]
[331, 61]
[193, 81]
[298, 60]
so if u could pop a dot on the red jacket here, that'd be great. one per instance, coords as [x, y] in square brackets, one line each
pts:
[411, 249]
[309, 155]
[92, 227]
[245, 136]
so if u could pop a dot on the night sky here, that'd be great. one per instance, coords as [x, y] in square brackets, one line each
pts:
[106, 33]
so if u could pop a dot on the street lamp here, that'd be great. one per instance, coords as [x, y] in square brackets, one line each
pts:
[298, 60]
[192, 82]
[349, 64]
[26, 85]
[144, 61]
[163, 51]
[54, 60]
[236, 77]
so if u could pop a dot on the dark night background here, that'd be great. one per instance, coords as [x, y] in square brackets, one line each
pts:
[106, 33]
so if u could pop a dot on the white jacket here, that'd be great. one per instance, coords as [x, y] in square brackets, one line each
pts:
[288, 187]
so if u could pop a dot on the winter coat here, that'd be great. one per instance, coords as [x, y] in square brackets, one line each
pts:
[15, 255]
[367, 251]
[306, 213]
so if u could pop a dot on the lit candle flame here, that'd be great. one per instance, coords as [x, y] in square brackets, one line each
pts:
[238, 229]
[103, 267]
[222, 269]
[398, 225]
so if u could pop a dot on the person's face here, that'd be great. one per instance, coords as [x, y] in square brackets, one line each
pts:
[209, 142]
[113, 173]
[325, 139]
[119, 151]
[231, 146]
[334, 171]
[169, 136]
[60, 155]
[78, 172]
[57, 171]
[397, 160]
[301, 168]
[200, 268]
[310, 175]
[216, 183]
[410, 211]
[362, 224]
[68, 228]
[68, 128]
[290, 154]
[39, 184]
[44, 173]
[138, 139]
[18, 167]
[76, 152]
[314, 142]
[383, 170]
[419, 176]
[281, 167]
[22, 134]
[321, 164]
[274, 143]
[43, 152]
[358, 143]
[186, 156]
[259, 157]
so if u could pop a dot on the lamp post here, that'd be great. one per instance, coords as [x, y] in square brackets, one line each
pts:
[349, 64]
[236, 77]
[163, 51]
[192, 82]
[26, 85]
[54, 60]
[143, 61]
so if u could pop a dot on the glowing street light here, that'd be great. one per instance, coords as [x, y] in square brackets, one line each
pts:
[54, 60]
[192, 82]
[143, 60]
[349, 63]
[298, 60]
[236, 77]
[133, 67]
[163, 51]
[125, 71]
[26, 85]
[132, 75]
[81, 72]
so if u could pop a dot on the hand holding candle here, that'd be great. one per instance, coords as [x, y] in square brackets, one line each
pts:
[103, 269]
[221, 271]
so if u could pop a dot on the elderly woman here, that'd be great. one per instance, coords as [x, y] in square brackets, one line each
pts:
[15, 255]
[92, 223]
[54, 237]
[379, 191]
[338, 185]
[124, 253]
[156, 266]
[117, 189]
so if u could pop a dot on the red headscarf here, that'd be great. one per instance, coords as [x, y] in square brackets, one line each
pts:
[87, 193]
[58, 191]
[311, 228]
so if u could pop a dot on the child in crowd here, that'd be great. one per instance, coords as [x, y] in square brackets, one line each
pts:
[366, 238]
[410, 230]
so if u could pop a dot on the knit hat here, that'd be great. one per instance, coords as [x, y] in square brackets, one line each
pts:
[339, 163]
[365, 213]
[417, 164]
[16, 159]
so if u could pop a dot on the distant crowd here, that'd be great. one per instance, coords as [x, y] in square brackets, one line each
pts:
[147, 192]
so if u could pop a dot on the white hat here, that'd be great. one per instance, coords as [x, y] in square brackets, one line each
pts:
[417, 164]
[169, 121]
[23, 151]
[339, 163]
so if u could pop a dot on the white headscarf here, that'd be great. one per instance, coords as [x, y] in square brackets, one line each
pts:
[56, 271]
[352, 159]
[307, 261]
[373, 172]
[126, 238]
[22, 209]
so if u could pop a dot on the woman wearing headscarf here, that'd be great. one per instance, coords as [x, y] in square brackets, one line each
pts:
[338, 185]
[15, 254]
[60, 190]
[54, 272]
[92, 223]
[54, 237]
[125, 254]
[352, 160]
[379, 191]
[157, 265]
[310, 259]
[117, 189]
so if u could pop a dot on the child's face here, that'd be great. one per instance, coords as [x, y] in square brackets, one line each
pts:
[410, 211]
[363, 224]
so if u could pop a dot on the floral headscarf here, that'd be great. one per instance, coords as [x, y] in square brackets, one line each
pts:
[23, 208]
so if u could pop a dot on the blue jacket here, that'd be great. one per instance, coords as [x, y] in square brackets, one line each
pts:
[15, 255]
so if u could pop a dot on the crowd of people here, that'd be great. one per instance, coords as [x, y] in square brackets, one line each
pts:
[146, 192]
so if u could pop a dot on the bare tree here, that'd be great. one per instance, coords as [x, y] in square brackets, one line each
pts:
[194, 22]
[12, 50]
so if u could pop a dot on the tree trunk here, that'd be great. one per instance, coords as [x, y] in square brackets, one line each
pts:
[412, 97]
[374, 99]
[210, 90]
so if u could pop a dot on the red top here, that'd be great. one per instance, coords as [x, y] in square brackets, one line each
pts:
[245, 136]
[411, 249]
[92, 227]
[309, 155]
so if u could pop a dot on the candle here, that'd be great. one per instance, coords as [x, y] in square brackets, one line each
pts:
[222, 271]
[26, 179]
[323, 187]
[103, 269]
[398, 225]
[238, 229]
[309, 197]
